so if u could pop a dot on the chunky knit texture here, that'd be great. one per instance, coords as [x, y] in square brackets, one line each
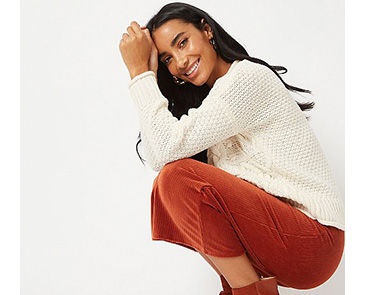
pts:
[252, 128]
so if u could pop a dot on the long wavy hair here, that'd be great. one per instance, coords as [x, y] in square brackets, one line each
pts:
[182, 98]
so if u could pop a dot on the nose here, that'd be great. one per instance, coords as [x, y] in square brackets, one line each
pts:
[182, 63]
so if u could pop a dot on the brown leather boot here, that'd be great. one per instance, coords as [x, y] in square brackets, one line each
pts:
[266, 286]
[227, 290]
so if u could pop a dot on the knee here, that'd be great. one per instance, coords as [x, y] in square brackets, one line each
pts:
[171, 172]
[175, 180]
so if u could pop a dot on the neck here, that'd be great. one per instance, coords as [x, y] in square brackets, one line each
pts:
[221, 68]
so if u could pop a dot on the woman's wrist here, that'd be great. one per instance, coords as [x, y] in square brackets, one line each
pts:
[138, 71]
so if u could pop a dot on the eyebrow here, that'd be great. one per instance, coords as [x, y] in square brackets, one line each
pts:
[172, 43]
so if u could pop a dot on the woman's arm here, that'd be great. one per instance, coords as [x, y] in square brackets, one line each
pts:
[231, 106]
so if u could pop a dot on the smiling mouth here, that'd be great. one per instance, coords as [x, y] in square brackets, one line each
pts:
[193, 69]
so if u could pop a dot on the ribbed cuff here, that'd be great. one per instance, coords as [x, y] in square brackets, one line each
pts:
[140, 76]
[145, 91]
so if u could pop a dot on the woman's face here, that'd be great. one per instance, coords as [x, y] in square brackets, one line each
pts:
[187, 52]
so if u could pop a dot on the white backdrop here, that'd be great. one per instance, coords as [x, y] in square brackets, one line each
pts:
[85, 196]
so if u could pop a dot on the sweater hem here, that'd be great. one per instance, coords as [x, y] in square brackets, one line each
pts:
[270, 187]
[332, 223]
[322, 221]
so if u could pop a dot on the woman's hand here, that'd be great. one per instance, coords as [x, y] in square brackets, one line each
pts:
[138, 51]
[153, 62]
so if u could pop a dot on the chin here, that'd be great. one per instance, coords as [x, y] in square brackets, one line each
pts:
[200, 82]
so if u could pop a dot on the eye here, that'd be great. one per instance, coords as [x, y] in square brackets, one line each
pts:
[184, 41]
[166, 60]
[181, 44]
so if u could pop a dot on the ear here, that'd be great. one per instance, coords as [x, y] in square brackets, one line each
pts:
[207, 29]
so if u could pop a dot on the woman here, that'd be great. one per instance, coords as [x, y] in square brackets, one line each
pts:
[243, 180]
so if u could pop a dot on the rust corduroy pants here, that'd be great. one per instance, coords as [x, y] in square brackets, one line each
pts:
[207, 209]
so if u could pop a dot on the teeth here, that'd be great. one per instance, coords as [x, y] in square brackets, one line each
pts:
[193, 68]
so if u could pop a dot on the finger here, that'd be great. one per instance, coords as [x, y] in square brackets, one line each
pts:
[136, 27]
[130, 31]
[125, 36]
[147, 33]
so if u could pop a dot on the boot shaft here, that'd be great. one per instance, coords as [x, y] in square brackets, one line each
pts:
[266, 286]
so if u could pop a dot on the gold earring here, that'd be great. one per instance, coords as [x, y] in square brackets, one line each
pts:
[178, 82]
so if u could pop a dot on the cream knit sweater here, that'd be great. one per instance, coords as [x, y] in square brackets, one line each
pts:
[252, 128]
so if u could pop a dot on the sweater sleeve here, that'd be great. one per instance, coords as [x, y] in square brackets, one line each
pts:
[223, 113]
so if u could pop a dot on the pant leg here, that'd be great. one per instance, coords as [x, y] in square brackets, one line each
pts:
[207, 209]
